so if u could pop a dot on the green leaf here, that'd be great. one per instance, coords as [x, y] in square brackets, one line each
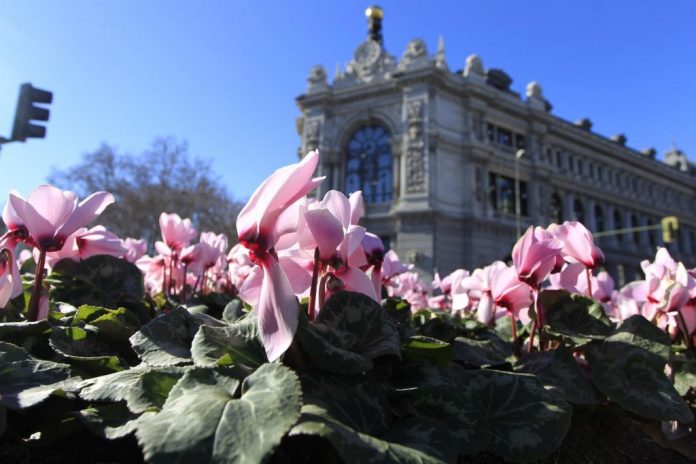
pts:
[110, 421]
[420, 348]
[26, 381]
[326, 348]
[510, 414]
[100, 280]
[166, 340]
[417, 440]
[237, 344]
[143, 387]
[113, 324]
[152, 389]
[399, 310]
[638, 331]
[558, 369]
[350, 331]
[203, 421]
[440, 328]
[111, 387]
[352, 400]
[684, 368]
[18, 332]
[488, 350]
[369, 329]
[628, 367]
[233, 310]
[83, 350]
[576, 317]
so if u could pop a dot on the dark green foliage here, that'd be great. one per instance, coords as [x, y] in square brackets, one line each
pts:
[363, 382]
[101, 281]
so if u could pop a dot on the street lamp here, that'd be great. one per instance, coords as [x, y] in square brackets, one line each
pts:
[518, 209]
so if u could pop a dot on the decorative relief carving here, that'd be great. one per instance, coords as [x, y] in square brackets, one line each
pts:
[370, 62]
[317, 80]
[312, 135]
[415, 149]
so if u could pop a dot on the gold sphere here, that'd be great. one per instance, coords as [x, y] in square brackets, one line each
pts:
[374, 12]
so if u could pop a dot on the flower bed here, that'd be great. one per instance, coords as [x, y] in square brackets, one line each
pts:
[284, 350]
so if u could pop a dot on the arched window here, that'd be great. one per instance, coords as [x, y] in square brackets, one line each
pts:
[578, 211]
[556, 209]
[369, 164]
[618, 224]
[599, 218]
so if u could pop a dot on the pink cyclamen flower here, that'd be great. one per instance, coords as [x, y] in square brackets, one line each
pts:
[177, 233]
[258, 230]
[52, 215]
[135, 248]
[85, 243]
[535, 255]
[578, 245]
[10, 280]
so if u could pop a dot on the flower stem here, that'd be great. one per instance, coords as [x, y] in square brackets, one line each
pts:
[681, 322]
[313, 288]
[513, 325]
[322, 289]
[588, 273]
[531, 336]
[35, 299]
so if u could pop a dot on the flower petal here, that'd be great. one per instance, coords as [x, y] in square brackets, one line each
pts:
[278, 311]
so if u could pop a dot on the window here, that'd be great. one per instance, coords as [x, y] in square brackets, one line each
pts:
[504, 137]
[579, 211]
[490, 131]
[599, 218]
[369, 164]
[556, 209]
[520, 141]
[501, 191]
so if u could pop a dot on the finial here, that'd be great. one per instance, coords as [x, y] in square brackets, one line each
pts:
[440, 56]
[374, 15]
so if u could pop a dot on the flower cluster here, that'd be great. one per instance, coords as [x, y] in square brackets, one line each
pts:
[294, 248]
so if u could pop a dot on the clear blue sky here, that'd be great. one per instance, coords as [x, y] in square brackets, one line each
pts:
[224, 74]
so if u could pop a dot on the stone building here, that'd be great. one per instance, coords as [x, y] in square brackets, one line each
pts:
[434, 151]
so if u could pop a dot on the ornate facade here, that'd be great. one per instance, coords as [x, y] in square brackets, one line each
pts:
[434, 152]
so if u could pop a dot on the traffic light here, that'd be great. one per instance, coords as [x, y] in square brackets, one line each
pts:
[670, 225]
[27, 112]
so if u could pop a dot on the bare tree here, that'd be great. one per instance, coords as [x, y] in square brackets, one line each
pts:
[164, 178]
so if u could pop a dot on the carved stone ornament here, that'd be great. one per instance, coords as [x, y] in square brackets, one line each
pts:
[474, 65]
[312, 136]
[415, 49]
[317, 79]
[370, 61]
[415, 55]
[534, 90]
[415, 149]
